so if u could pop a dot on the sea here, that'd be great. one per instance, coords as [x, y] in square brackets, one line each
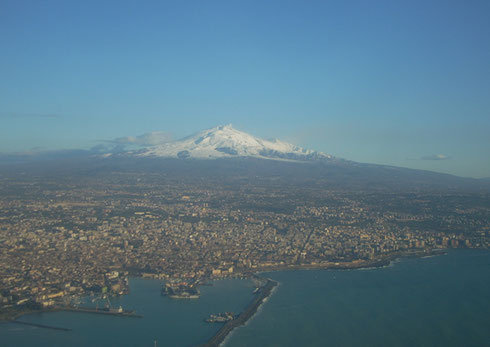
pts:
[435, 301]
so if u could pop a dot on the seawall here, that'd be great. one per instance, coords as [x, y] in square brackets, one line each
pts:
[249, 311]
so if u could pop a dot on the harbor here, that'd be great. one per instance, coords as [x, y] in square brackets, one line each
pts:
[322, 300]
[172, 322]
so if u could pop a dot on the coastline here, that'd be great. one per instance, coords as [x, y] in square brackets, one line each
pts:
[409, 278]
[251, 309]
[352, 265]
[14, 315]
[355, 264]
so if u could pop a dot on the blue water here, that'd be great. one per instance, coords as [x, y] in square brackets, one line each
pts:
[437, 301]
[170, 322]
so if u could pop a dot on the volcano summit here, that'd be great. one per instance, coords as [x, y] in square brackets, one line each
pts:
[226, 142]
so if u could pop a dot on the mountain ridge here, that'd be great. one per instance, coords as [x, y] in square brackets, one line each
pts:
[235, 154]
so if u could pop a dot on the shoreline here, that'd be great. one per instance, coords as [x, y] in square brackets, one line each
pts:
[352, 265]
[356, 264]
[217, 339]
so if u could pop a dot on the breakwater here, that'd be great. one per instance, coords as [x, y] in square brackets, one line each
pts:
[249, 311]
[40, 325]
[92, 310]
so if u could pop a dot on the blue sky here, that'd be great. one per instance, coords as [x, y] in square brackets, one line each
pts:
[404, 83]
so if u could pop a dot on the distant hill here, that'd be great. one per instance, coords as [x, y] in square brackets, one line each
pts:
[349, 176]
[224, 155]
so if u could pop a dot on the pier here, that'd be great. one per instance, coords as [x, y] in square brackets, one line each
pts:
[95, 310]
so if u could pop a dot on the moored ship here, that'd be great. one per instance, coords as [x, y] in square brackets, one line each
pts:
[181, 291]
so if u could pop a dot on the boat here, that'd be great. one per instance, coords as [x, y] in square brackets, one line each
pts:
[220, 317]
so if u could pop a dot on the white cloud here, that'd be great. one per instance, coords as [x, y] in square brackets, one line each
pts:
[436, 157]
[148, 139]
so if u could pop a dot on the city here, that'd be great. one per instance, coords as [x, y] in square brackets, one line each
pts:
[63, 239]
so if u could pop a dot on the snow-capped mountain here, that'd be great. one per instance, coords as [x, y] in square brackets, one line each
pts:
[227, 142]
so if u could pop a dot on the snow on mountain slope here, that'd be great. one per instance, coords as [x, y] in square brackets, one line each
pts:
[225, 141]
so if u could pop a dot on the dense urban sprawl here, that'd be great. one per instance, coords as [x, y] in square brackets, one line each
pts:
[61, 239]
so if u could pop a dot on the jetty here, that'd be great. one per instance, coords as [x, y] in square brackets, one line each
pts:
[39, 325]
[243, 317]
